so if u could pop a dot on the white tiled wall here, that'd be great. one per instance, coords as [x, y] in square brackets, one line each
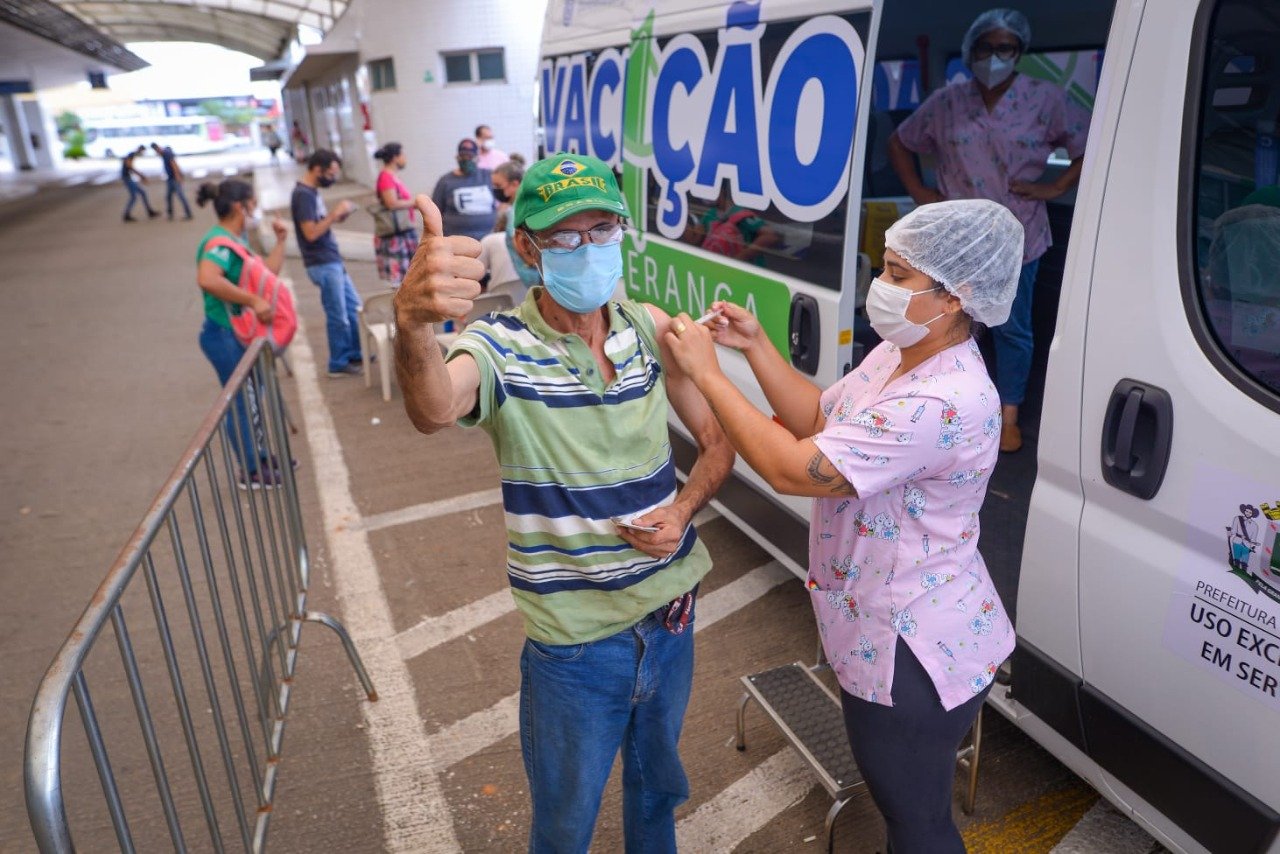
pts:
[429, 118]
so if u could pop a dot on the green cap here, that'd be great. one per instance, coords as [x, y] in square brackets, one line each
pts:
[562, 185]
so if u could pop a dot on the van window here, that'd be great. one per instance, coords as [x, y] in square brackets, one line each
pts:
[1236, 207]
[811, 251]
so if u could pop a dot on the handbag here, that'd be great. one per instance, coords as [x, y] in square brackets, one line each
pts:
[388, 222]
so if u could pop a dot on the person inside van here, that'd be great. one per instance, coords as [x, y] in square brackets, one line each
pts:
[898, 454]
[991, 137]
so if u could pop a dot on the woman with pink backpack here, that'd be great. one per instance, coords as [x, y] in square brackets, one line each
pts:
[219, 265]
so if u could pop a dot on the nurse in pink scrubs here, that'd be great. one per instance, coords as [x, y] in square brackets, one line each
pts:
[897, 454]
[991, 138]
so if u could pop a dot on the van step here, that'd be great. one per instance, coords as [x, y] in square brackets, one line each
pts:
[809, 716]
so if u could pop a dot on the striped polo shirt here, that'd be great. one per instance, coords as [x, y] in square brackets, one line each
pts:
[573, 453]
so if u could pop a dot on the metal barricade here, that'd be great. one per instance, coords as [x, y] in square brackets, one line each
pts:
[225, 537]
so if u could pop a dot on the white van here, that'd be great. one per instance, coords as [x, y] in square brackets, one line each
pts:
[1144, 561]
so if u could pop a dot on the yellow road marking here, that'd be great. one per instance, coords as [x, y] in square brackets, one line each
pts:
[1034, 827]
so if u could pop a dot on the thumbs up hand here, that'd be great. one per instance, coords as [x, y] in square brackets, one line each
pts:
[443, 279]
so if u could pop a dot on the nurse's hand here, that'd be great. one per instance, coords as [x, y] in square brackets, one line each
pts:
[691, 345]
[1035, 190]
[735, 327]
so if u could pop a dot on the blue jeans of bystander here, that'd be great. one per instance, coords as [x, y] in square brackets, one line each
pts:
[136, 192]
[1014, 341]
[224, 352]
[341, 303]
[579, 705]
[173, 187]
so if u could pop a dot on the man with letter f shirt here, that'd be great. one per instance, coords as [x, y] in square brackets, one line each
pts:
[573, 388]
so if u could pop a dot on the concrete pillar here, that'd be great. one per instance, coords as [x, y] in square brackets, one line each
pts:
[15, 130]
[44, 143]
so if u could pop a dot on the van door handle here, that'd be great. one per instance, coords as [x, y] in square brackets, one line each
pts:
[1137, 436]
[804, 335]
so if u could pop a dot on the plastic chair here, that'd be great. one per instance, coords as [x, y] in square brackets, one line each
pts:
[484, 304]
[377, 329]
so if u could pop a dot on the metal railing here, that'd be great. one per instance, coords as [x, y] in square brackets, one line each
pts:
[225, 538]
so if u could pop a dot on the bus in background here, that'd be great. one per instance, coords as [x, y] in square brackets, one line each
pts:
[184, 134]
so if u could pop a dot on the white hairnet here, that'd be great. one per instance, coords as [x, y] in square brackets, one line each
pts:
[996, 19]
[972, 247]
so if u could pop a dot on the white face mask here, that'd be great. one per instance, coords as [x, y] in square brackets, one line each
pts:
[254, 220]
[487, 144]
[887, 310]
[992, 71]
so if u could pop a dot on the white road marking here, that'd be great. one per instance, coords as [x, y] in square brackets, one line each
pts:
[487, 727]
[431, 509]
[748, 804]
[475, 732]
[434, 631]
[415, 815]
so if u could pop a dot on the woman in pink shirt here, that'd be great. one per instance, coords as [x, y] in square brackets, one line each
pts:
[991, 138]
[898, 455]
[394, 252]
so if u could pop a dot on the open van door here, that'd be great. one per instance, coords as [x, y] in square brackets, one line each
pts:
[1178, 698]
[737, 129]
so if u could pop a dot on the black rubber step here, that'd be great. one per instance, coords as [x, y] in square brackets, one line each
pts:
[811, 719]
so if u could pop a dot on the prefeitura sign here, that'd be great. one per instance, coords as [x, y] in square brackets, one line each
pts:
[1224, 613]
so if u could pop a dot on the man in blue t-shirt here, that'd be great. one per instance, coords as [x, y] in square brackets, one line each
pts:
[313, 225]
[173, 180]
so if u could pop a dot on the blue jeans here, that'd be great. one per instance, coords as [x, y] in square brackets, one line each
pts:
[224, 352]
[136, 192]
[579, 705]
[1014, 343]
[173, 187]
[342, 323]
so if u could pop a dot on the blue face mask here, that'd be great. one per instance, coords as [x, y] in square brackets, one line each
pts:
[528, 275]
[584, 279]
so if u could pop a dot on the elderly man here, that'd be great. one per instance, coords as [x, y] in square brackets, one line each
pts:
[574, 388]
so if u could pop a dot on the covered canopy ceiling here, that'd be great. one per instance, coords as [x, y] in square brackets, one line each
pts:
[262, 28]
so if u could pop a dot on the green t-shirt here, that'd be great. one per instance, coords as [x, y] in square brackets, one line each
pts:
[575, 452]
[229, 262]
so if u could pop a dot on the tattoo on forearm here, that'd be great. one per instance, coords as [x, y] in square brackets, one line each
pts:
[822, 473]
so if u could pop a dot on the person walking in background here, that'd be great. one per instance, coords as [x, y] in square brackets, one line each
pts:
[465, 195]
[173, 180]
[313, 227]
[133, 181]
[491, 157]
[272, 141]
[217, 273]
[394, 251]
[574, 388]
[898, 454]
[992, 136]
[298, 140]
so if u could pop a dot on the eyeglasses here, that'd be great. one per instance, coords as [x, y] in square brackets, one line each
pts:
[984, 50]
[567, 240]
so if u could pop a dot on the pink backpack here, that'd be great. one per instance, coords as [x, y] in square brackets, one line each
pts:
[257, 279]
